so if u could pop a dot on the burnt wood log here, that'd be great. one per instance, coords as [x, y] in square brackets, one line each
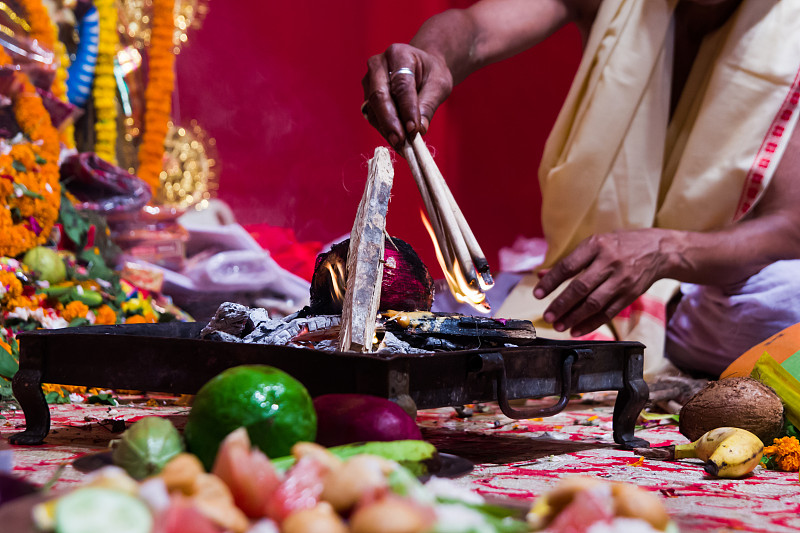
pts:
[365, 257]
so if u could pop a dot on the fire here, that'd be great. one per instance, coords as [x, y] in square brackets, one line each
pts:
[337, 282]
[461, 290]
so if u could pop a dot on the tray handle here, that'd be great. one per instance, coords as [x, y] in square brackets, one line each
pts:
[493, 363]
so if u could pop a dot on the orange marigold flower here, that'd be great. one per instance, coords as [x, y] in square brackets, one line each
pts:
[20, 301]
[75, 310]
[135, 319]
[786, 452]
[104, 315]
[11, 284]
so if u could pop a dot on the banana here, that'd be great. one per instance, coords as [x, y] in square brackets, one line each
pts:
[728, 452]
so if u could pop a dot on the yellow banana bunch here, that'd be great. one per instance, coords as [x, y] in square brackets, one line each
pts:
[728, 452]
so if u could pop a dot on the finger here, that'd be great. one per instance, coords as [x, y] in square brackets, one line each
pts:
[381, 109]
[593, 322]
[582, 297]
[431, 96]
[593, 303]
[568, 267]
[542, 272]
[404, 73]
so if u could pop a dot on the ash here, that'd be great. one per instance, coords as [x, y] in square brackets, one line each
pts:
[238, 323]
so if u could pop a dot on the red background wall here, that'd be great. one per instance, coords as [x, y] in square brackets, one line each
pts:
[277, 84]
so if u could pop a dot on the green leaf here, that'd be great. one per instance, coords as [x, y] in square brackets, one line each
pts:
[75, 226]
[40, 160]
[18, 187]
[77, 322]
[19, 167]
[104, 398]
[8, 364]
[53, 397]
[95, 265]
[770, 373]
[5, 390]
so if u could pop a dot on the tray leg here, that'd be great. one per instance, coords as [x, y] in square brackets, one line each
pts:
[27, 387]
[630, 402]
[398, 392]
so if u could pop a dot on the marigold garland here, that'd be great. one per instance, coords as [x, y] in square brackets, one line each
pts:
[10, 285]
[39, 21]
[44, 30]
[105, 84]
[158, 94]
[29, 176]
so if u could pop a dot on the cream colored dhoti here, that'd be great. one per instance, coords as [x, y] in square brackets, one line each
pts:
[615, 160]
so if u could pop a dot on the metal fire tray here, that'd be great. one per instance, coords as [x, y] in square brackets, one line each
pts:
[172, 358]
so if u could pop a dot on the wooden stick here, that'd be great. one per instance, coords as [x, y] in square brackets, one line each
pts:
[365, 257]
[435, 182]
[433, 215]
[478, 257]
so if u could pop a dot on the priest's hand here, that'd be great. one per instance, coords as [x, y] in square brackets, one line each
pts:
[606, 273]
[402, 89]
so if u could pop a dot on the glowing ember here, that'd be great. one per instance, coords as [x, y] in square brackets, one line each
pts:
[461, 290]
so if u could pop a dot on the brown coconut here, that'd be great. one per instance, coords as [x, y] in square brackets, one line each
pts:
[733, 402]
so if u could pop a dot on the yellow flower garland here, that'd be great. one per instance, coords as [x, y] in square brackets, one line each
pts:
[29, 174]
[105, 85]
[158, 94]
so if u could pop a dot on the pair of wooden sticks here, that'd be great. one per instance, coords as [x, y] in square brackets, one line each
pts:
[457, 244]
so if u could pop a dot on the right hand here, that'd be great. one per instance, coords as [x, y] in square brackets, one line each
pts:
[398, 104]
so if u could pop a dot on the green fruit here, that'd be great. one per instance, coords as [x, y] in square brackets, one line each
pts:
[275, 408]
[47, 264]
[146, 446]
[90, 298]
[96, 509]
[409, 453]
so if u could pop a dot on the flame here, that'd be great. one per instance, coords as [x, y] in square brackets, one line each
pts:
[461, 290]
[337, 282]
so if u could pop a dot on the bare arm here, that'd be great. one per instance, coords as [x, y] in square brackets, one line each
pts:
[450, 46]
[613, 269]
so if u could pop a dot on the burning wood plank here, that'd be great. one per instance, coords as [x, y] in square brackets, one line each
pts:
[446, 325]
[365, 257]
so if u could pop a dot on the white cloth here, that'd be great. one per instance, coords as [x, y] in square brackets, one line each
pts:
[712, 326]
[615, 160]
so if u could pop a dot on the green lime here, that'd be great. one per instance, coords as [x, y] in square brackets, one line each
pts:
[47, 264]
[146, 446]
[275, 408]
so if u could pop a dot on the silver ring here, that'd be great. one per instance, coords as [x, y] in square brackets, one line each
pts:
[403, 70]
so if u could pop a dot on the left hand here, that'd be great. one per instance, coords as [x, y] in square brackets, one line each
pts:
[610, 271]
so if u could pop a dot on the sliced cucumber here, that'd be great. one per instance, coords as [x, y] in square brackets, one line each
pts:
[95, 510]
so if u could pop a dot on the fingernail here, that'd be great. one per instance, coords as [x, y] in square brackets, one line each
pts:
[538, 293]
[559, 327]
[549, 317]
[394, 140]
[576, 333]
[410, 126]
